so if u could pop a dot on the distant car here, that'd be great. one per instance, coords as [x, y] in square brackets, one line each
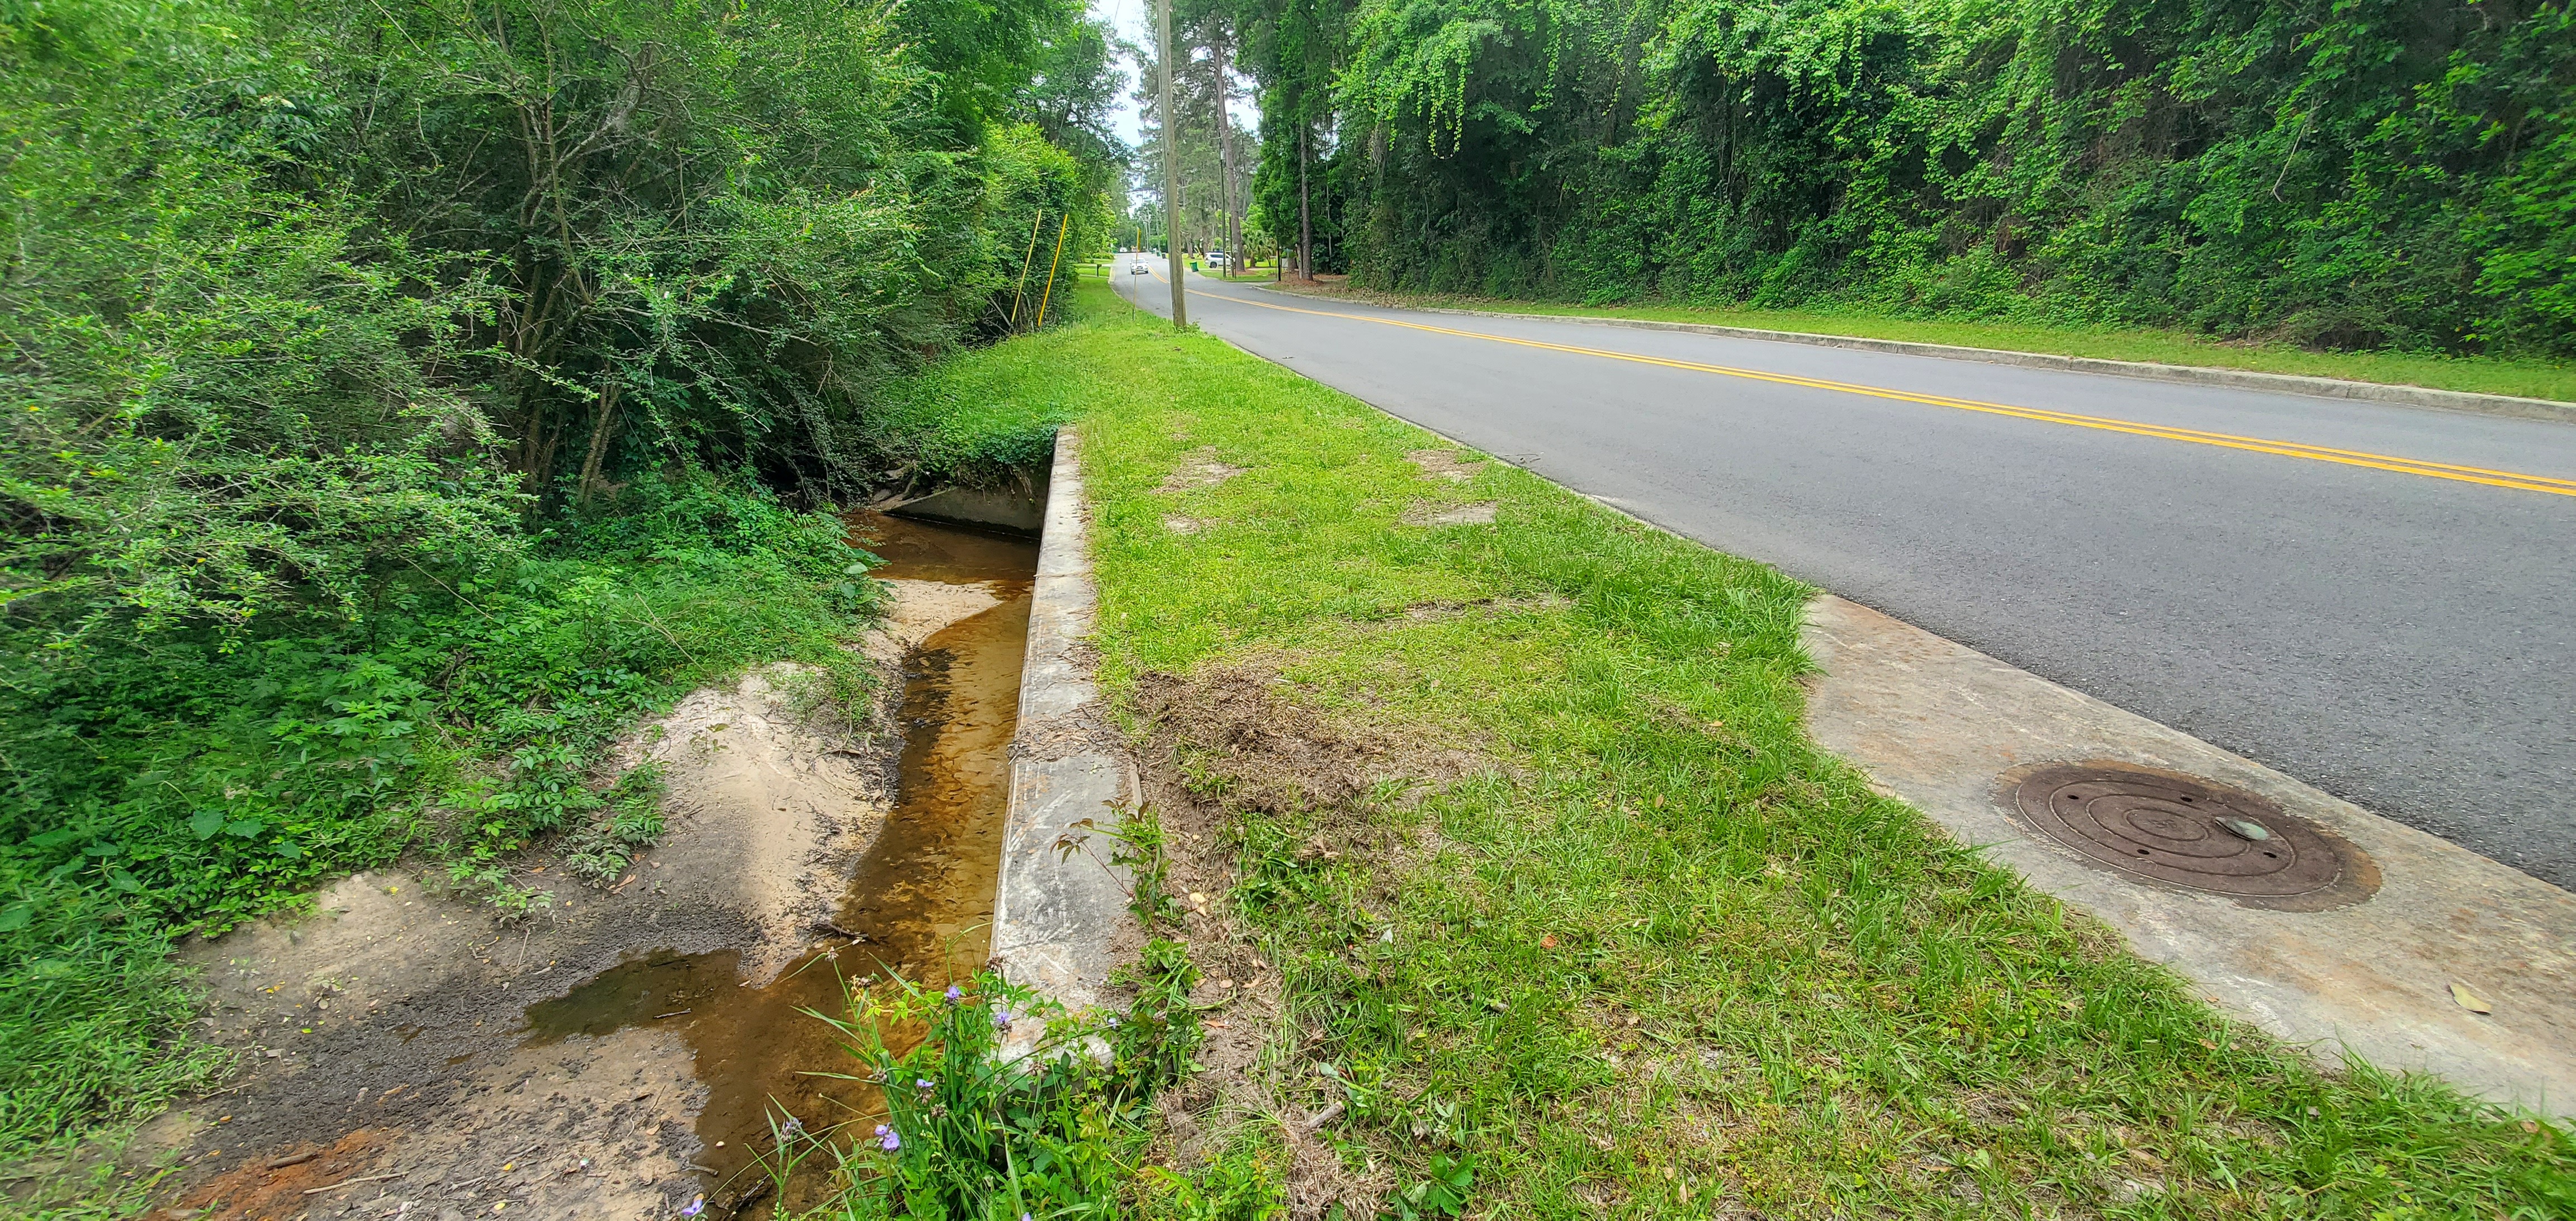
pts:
[1219, 258]
[1136, 268]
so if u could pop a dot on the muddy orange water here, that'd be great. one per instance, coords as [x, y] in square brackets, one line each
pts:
[920, 900]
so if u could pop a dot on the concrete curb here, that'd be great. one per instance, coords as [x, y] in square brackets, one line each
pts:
[2240, 379]
[1939, 725]
[1057, 913]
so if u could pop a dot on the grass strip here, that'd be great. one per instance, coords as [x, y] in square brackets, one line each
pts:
[1498, 808]
[2521, 378]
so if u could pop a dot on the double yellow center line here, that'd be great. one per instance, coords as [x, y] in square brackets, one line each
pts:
[2260, 445]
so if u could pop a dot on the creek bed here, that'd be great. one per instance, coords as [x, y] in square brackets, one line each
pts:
[919, 901]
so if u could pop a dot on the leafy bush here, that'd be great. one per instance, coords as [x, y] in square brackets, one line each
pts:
[2341, 174]
[399, 401]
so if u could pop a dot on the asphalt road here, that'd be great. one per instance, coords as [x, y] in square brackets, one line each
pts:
[2404, 639]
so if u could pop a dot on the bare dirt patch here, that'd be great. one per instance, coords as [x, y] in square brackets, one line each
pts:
[1181, 525]
[1478, 514]
[1444, 464]
[1221, 745]
[1445, 609]
[1276, 754]
[1200, 468]
[387, 1029]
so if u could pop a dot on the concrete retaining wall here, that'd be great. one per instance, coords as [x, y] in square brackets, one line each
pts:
[1058, 905]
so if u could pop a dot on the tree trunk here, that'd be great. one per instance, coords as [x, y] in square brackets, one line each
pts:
[1225, 154]
[1171, 162]
[599, 429]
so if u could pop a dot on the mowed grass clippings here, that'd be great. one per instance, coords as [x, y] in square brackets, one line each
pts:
[1660, 955]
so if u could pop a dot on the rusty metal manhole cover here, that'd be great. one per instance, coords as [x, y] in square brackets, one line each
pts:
[2190, 833]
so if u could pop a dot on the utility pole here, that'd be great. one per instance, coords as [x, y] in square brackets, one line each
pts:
[1171, 163]
[1305, 222]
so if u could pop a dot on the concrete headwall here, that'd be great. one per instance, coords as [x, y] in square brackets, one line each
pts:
[1059, 904]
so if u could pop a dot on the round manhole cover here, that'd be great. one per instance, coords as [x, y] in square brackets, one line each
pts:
[2190, 833]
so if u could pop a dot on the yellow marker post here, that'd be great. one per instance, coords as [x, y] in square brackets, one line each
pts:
[1051, 266]
[1023, 290]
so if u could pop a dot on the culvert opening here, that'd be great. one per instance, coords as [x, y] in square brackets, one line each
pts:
[2187, 832]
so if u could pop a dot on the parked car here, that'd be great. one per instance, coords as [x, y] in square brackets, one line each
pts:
[1219, 258]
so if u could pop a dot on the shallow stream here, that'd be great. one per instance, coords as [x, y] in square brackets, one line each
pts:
[919, 902]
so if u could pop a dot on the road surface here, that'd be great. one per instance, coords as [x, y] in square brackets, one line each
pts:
[2378, 600]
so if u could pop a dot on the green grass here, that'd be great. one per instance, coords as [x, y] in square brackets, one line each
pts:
[2538, 379]
[1662, 955]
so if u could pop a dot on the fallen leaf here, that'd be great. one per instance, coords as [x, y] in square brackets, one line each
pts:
[1547, 942]
[2470, 1001]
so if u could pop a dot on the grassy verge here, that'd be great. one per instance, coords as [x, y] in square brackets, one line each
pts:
[1531, 888]
[2537, 379]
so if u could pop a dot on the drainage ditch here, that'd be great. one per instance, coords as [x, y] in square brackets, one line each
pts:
[917, 906]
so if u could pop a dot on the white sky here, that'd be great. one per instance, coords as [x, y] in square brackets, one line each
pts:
[1134, 21]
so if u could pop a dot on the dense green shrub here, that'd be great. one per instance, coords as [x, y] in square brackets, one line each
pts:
[2380, 172]
[400, 400]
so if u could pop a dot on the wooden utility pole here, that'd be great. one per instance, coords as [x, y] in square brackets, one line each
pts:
[1171, 163]
[1305, 222]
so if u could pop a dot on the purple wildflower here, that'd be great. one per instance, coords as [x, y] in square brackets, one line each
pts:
[954, 995]
[924, 1086]
[1001, 1019]
[695, 1207]
[887, 1140]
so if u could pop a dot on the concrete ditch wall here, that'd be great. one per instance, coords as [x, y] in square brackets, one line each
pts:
[998, 508]
[1059, 905]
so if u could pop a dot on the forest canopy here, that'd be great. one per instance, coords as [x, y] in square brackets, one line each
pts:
[2357, 173]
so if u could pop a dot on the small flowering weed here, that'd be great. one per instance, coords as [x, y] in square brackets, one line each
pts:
[977, 1127]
